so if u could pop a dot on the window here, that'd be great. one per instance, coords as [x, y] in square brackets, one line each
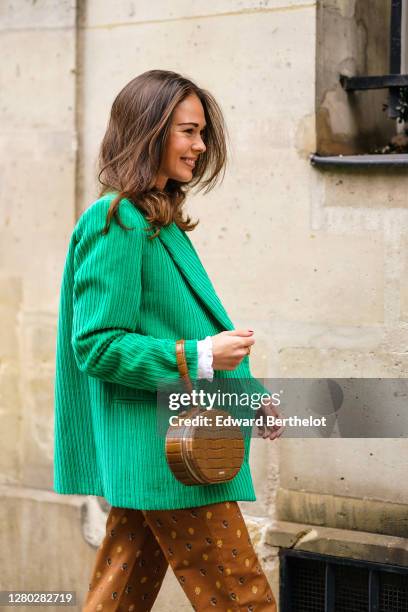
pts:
[360, 71]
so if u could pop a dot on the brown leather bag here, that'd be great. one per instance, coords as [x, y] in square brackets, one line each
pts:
[205, 453]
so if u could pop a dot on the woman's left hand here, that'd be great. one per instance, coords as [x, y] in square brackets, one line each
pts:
[269, 431]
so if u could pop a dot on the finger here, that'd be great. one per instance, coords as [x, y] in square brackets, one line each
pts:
[276, 434]
[240, 332]
[261, 430]
[247, 341]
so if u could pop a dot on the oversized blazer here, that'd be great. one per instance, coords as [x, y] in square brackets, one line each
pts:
[124, 301]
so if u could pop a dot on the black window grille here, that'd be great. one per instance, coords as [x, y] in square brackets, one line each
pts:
[396, 82]
[392, 81]
[320, 583]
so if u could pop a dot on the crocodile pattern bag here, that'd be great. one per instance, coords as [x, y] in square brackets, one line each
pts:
[204, 453]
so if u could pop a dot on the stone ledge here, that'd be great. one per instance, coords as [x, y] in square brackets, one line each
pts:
[343, 513]
[358, 545]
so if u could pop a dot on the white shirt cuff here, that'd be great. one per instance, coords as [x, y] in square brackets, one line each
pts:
[205, 359]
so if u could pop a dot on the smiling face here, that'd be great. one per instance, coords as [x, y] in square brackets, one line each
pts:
[184, 143]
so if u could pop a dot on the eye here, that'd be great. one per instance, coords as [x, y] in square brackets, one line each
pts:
[191, 130]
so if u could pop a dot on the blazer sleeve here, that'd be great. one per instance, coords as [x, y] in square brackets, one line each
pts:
[107, 292]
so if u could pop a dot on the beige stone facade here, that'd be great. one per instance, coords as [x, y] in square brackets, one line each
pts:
[315, 262]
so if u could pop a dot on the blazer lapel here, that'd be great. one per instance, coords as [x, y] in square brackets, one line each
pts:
[187, 260]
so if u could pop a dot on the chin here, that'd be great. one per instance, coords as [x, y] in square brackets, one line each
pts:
[183, 178]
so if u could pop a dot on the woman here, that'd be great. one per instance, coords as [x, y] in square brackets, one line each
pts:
[132, 285]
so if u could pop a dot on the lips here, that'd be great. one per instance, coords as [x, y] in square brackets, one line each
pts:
[190, 161]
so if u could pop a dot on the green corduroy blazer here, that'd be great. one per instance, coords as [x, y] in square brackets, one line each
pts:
[124, 301]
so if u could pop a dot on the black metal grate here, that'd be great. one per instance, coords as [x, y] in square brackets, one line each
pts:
[351, 588]
[308, 588]
[395, 79]
[321, 583]
[393, 593]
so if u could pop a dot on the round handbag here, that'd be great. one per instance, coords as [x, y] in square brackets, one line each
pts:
[207, 452]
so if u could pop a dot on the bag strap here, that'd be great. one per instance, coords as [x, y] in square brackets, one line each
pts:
[182, 365]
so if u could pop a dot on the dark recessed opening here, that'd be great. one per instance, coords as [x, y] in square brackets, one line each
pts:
[319, 583]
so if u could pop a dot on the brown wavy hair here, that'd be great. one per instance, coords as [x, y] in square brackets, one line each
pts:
[134, 143]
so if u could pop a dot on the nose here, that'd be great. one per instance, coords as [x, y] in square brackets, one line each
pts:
[198, 145]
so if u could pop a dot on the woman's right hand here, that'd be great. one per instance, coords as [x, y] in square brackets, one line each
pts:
[230, 347]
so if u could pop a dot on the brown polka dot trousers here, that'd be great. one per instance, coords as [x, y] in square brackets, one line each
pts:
[208, 548]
